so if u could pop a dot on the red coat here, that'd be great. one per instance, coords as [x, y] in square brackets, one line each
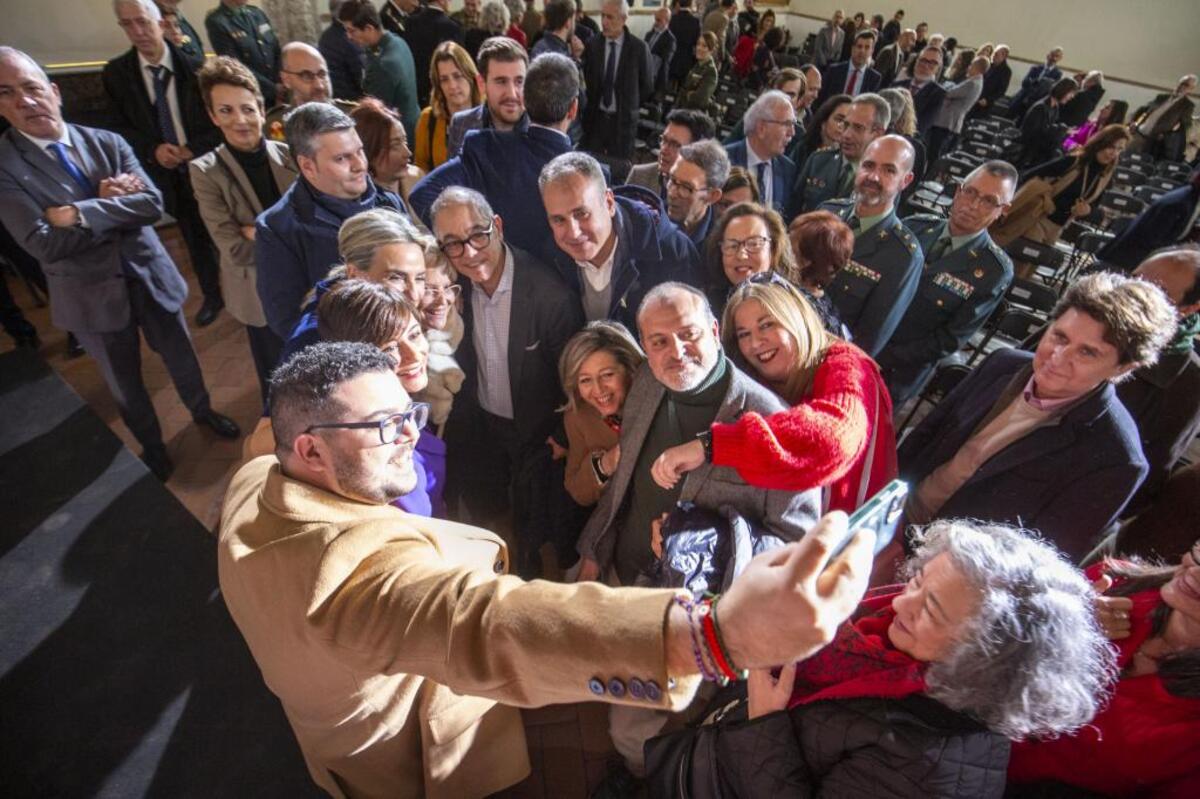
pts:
[823, 440]
[1145, 743]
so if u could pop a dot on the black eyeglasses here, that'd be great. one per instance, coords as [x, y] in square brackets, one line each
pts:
[306, 75]
[478, 240]
[684, 189]
[389, 427]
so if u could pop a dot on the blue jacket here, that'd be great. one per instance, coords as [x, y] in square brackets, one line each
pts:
[650, 250]
[1069, 480]
[346, 62]
[296, 244]
[783, 174]
[1162, 223]
[503, 166]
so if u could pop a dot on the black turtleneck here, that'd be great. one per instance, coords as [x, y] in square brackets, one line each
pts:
[257, 166]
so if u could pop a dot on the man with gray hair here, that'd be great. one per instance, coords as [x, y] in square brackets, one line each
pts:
[155, 104]
[613, 244]
[694, 188]
[78, 200]
[828, 174]
[517, 316]
[306, 77]
[504, 165]
[686, 385]
[1167, 115]
[296, 239]
[617, 73]
[770, 124]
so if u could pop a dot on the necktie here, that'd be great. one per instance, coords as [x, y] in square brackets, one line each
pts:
[854, 222]
[763, 189]
[608, 89]
[162, 76]
[938, 250]
[64, 160]
[852, 83]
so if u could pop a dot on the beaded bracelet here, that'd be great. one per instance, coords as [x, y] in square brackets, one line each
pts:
[689, 607]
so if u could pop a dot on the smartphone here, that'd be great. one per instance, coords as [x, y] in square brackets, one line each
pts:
[880, 514]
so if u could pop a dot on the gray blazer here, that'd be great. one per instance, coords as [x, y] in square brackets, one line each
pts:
[959, 99]
[828, 47]
[227, 201]
[646, 176]
[86, 265]
[788, 514]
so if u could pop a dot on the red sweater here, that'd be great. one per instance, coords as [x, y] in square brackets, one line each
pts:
[823, 440]
[1145, 743]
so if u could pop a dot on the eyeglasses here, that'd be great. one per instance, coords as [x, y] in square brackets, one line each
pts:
[684, 189]
[388, 427]
[785, 122]
[449, 293]
[754, 244]
[972, 195]
[306, 75]
[929, 62]
[478, 240]
[669, 143]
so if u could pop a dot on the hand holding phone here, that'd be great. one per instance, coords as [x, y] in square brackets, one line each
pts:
[880, 514]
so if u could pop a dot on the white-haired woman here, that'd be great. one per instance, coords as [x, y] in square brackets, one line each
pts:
[992, 639]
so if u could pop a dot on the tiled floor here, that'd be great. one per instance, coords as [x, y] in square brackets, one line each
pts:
[569, 745]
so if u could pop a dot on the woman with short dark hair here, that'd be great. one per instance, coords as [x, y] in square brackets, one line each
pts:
[1041, 132]
[748, 239]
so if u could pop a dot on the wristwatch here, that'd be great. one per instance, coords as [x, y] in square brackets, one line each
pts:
[705, 438]
[601, 477]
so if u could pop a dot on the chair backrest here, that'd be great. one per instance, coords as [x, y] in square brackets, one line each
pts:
[945, 379]
[1173, 169]
[957, 166]
[1090, 243]
[1131, 157]
[1019, 324]
[1124, 176]
[1121, 204]
[1148, 194]
[1164, 184]
[1041, 254]
[1030, 294]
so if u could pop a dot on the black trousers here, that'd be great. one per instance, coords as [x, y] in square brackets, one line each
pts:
[118, 354]
[265, 349]
[604, 137]
[181, 204]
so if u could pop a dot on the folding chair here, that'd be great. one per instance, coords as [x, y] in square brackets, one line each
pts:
[1131, 157]
[944, 379]
[1014, 327]
[1148, 194]
[1032, 296]
[1084, 254]
[1116, 205]
[1174, 169]
[1164, 184]
[1125, 177]
[1047, 260]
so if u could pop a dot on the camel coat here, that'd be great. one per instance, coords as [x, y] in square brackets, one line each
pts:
[391, 640]
[227, 203]
[587, 433]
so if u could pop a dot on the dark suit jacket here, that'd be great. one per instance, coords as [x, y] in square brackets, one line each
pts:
[834, 77]
[424, 31]
[346, 62]
[783, 173]
[87, 267]
[1162, 223]
[664, 51]
[1180, 115]
[132, 114]
[926, 103]
[1041, 133]
[634, 82]
[685, 27]
[503, 166]
[888, 61]
[1069, 480]
[544, 315]
[995, 82]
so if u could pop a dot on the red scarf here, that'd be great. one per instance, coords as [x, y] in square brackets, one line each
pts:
[861, 661]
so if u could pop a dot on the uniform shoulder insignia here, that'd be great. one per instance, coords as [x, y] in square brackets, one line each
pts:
[840, 202]
[926, 218]
[829, 149]
[345, 105]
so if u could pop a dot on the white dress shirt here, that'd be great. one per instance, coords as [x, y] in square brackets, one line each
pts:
[616, 54]
[172, 89]
[765, 191]
[492, 317]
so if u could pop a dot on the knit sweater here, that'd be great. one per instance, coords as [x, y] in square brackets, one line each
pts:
[823, 440]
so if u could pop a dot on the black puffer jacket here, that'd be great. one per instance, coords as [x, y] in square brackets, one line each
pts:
[910, 748]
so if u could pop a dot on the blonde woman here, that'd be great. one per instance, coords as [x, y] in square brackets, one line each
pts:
[596, 368]
[455, 82]
[838, 435]
[444, 330]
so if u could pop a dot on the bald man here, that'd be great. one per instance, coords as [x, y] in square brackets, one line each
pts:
[305, 75]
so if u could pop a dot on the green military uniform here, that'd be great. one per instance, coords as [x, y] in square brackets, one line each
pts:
[391, 76]
[959, 289]
[273, 128]
[192, 46]
[826, 175]
[872, 292]
[246, 34]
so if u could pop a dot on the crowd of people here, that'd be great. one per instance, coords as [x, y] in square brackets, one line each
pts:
[493, 349]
